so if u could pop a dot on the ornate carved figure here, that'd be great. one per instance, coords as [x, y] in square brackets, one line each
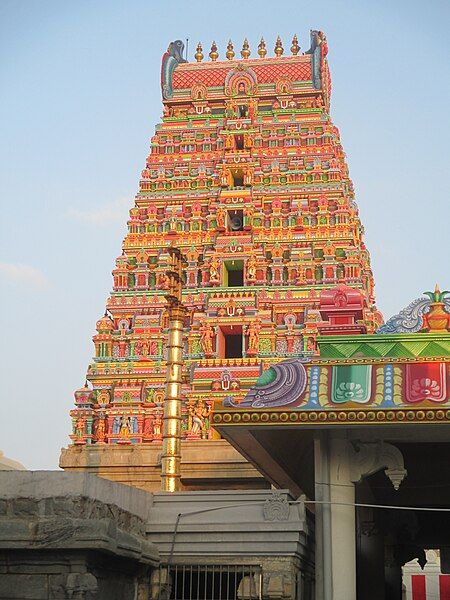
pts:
[253, 330]
[125, 427]
[220, 218]
[157, 425]
[80, 427]
[199, 411]
[148, 426]
[206, 338]
[100, 431]
[251, 268]
[214, 274]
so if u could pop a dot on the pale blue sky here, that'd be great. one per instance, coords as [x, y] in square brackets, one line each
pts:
[79, 98]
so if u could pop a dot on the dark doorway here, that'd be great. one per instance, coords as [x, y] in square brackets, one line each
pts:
[233, 346]
[239, 142]
[236, 278]
[234, 273]
[238, 180]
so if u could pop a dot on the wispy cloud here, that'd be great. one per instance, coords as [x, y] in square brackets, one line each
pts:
[112, 212]
[24, 274]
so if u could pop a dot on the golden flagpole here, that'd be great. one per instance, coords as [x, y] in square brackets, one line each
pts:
[171, 448]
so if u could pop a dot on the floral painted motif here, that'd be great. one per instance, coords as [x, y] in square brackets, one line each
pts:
[350, 391]
[426, 381]
[351, 383]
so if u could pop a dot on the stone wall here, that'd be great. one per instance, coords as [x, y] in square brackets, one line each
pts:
[140, 465]
[259, 528]
[66, 536]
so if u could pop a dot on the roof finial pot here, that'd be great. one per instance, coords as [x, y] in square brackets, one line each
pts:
[213, 55]
[245, 52]
[279, 50]
[295, 48]
[262, 51]
[230, 50]
[199, 53]
[437, 320]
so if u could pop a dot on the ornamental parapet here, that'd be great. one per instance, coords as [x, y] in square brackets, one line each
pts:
[229, 362]
[356, 380]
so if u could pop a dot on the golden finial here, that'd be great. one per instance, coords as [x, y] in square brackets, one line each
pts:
[262, 51]
[295, 48]
[278, 47]
[199, 54]
[230, 50]
[213, 55]
[245, 52]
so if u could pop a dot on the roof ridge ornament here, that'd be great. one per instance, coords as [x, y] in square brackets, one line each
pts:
[279, 50]
[295, 48]
[262, 50]
[245, 52]
[230, 50]
[214, 55]
[199, 53]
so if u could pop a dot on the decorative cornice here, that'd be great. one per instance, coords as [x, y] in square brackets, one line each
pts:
[227, 418]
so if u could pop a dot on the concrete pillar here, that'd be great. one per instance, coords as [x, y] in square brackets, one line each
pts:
[343, 523]
[323, 589]
[338, 466]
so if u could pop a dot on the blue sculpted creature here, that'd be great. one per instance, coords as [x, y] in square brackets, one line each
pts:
[170, 60]
[318, 51]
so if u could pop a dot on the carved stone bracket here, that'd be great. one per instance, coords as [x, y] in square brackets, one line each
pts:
[368, 458]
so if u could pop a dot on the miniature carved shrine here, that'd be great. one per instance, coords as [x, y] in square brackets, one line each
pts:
[247, 177]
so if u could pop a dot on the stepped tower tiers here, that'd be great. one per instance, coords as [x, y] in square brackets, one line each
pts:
[247, 177]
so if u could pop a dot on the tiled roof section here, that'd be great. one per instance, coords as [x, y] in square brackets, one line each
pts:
[265, 73]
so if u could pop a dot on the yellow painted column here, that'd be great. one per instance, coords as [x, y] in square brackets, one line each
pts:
[171, 450]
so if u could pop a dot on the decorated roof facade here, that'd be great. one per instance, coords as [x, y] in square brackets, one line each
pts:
[247, 176]
[392, 376]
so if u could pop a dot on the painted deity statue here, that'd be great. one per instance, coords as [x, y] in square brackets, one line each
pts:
[100, 431]
[253, 336]
[251, 268]
[214, 270]
[157, 426]
[199, 412]
[80, 427]
[207, 338]
[220, 218]
[125, 427]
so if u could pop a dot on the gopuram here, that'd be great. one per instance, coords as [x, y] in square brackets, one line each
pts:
[290, 377]
[246, 175]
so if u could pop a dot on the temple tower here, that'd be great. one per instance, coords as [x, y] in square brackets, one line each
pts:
[246, 175]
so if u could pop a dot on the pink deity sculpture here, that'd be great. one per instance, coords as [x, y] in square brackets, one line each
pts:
[100, 431]
[157, 428]
[253, 337]
[251, 269]
[214, 276]
[207, 338]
